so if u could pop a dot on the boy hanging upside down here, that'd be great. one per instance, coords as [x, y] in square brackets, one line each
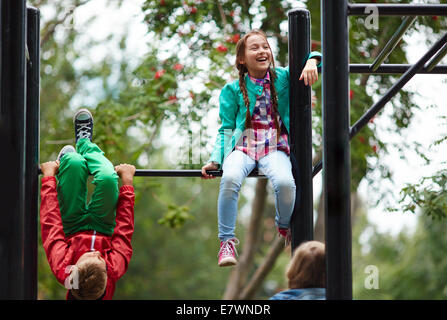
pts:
[88, 246]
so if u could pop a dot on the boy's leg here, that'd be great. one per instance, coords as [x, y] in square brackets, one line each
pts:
[235, 168]
[72, 192]
[102, 206]
[278, 168]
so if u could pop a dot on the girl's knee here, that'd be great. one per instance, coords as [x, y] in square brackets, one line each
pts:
[230, 180]
[285, 184]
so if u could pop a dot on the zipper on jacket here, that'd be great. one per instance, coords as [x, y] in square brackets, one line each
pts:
[92, 247]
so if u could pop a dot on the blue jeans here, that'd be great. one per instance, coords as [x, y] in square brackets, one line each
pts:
[276, 167]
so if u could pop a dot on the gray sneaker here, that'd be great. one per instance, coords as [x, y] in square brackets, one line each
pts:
[83, 123]
[66, 149]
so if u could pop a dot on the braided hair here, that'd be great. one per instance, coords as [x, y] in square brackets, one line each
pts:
[240, 55]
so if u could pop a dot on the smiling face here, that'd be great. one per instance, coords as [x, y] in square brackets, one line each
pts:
[257, 56]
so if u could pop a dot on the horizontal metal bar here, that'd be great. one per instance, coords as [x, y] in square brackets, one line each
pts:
[394, 69]
[397, 86]
[182, 173]
[398, 9]
[186, 173]
[390, 93]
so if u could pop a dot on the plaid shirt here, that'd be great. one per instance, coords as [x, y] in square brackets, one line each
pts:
[262, 135]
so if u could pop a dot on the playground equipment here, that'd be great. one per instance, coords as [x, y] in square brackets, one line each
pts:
[336, 127]
[19, 81]
[19, 127]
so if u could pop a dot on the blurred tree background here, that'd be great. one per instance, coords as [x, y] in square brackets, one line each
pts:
[158, 109]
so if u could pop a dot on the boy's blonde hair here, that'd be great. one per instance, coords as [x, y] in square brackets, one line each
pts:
[307, 268]
[92, 281]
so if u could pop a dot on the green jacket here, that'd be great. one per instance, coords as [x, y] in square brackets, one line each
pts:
[232, 110]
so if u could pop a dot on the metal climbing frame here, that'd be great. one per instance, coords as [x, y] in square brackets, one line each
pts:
[19, 126]
[336, 127]
[19, 110]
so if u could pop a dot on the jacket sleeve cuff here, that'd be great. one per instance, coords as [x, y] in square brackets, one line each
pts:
[126, 188]
[316, 54]
[48, 178]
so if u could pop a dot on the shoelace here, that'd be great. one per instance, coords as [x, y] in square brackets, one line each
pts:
[83, 130]
[226, 247]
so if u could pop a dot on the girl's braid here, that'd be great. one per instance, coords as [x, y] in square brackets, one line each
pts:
[242, 71]
[274, 100]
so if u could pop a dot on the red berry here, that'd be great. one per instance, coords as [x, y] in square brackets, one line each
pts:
[178, 66]
[222, 48]
[159, 74]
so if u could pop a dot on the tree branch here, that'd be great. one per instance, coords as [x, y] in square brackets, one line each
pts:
[51, 26]
[264, 269]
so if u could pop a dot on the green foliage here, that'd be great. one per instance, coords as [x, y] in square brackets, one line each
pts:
[175, 217]
[431, 196]
[411, 266]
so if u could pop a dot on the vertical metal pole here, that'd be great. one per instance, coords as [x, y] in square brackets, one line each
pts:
[12, 124]
[32, 153]
[300, 127]
[336, 149]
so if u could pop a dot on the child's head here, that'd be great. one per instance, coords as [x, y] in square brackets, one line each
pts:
[307, 269]
[254, 55]
[92, 276]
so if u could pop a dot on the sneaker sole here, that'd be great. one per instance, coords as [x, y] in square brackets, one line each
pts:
[62, 151]
[227, 262]
[81, 111]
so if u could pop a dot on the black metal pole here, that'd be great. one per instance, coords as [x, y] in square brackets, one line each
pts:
[12, 124]
[185, 173]
[300, 135]
[32, 153]
[336, 149]
[408, 70]
[181, 173]
[399, 9]
[438, 57]
[392, 43]
[394, 69]
[397, 86]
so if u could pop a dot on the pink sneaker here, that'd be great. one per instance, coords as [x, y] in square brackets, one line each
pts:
[285, 232]
[227, 253]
